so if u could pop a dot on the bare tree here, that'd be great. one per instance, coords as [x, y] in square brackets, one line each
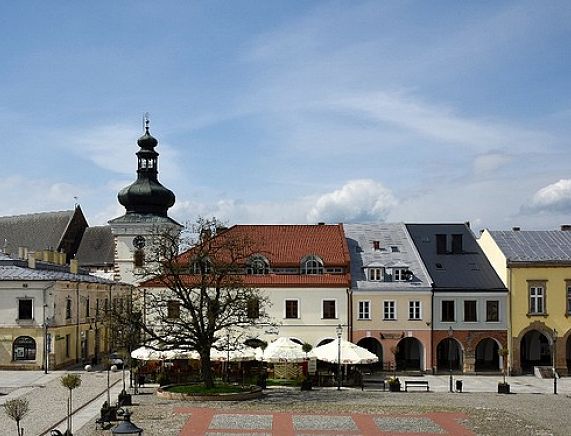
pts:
[17, 409]
[200, 295]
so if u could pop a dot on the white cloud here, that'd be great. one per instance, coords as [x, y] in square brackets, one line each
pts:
[356, 201]
[555, 198]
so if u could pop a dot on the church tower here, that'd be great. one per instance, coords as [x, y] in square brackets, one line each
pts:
[146, 203]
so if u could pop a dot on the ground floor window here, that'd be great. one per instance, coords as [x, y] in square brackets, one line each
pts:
[24, 348]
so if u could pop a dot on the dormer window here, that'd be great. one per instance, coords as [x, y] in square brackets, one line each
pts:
[401, 275]
[376, 245]
[202, 266]
[312, 265]
[376, 274]
[258, 265]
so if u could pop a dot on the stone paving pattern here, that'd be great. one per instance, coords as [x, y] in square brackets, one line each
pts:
[532, 410]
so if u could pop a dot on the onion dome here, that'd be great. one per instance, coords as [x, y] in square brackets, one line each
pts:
[146, 195]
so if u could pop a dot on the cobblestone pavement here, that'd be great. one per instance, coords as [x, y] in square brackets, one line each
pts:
[531, 410]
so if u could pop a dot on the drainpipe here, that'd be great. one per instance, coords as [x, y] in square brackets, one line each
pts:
[77, 329]
[350, 314]
[509, 324]
[46, 344]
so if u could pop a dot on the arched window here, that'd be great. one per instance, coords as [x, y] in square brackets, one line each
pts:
[258, 265]
[311, 265]
[24, 348]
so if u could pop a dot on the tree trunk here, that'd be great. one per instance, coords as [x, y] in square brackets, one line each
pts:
[18, 425]
[206, 370]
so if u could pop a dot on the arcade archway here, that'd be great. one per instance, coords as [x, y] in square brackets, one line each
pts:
[535, 350]
[374, 347]
[409, 355]
[448, 355]
[487, 357]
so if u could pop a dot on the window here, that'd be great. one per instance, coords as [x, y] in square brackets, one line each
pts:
[414, 310]
[492, 311]
[25, 308]
[400, 274]
[68, 308]
[441, 244]
[470, 314]
[253, 308]
[258, 265]
[138, 258]
[292, 309]
[329, 309]
[389, 310]
[67, 344]
[536, 300]
[202, 266]
[173, 309]
[364, 310]
[376, 274]
[24, 348]
[376, 245]
[87, 308]
[448, 311]
[456, 244]
[312, 265]
[568, 300]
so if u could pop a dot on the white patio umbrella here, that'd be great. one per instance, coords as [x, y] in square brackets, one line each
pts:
[179, 353]
[351, 354]
[238, 355]
[146, 353]
[284, 350]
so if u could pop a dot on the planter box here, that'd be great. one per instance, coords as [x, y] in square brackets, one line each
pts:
[503, 388]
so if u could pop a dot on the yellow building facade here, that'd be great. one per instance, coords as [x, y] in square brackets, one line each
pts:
[536, 269]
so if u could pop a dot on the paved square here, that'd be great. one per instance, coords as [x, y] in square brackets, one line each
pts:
[405, 424]
[320, 422]
[240, 422]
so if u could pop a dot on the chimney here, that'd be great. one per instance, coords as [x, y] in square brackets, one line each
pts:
[516, 229]
[31, 261]
[22, 253]
[566, 227]
[73, 266]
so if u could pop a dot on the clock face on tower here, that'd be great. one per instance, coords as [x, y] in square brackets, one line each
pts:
[138, 242]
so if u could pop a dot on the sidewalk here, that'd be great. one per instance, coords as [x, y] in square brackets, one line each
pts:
[48, 398]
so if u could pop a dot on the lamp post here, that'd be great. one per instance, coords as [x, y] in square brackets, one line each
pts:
[339, 331]
[554, 361]
[450, 335]
[126, 426]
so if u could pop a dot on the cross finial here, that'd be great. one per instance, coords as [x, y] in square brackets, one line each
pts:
[146, 121]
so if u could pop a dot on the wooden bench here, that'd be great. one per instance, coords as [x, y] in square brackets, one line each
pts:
[416, 384]
[373, 381]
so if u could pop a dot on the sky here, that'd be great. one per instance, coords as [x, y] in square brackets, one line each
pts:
[292, 111]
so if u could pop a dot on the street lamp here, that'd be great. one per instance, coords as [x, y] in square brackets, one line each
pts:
[450, 335]
[126, 426]
[554, 368]
[339, 331]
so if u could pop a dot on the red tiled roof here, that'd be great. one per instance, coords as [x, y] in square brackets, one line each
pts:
[275, 281]
[285, 246]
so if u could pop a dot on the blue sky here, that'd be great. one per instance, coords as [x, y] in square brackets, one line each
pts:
[292, 111]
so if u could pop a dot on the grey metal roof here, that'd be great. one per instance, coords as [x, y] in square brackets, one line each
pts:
[467, 270]
[534, 246]
[14, 269]
[97, 247]
[395, 250]
[40, 231]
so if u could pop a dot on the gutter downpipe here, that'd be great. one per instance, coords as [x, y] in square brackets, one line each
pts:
[509, 321]
[46, 345]
[77, 329]
[349, 314]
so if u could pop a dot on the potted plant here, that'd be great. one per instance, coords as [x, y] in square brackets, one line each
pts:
[503, 386]
[394, 384]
